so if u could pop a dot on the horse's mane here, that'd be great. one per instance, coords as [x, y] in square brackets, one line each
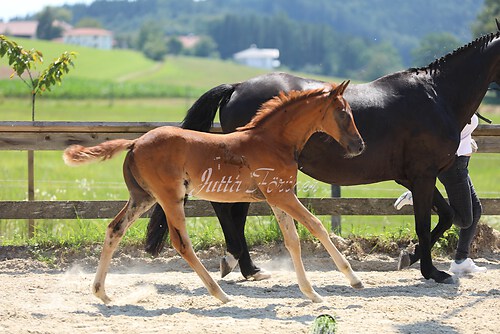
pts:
[278, 102]
[480, 42]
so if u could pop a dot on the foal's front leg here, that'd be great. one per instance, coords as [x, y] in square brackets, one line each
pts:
[299, 212]
[292, 244]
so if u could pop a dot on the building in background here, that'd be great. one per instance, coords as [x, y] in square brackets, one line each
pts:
[23, 29]
[260, 58]
[89, 37]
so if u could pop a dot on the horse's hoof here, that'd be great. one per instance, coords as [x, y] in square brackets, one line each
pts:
[404, 260]
[262, 274]
[227, 264]
[447, 279]
[442, 277]
[450, 280]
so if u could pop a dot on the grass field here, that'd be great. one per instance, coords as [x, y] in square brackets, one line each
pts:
[104, 87]
[55, 181]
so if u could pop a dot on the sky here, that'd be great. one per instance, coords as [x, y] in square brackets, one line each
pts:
[13, 8]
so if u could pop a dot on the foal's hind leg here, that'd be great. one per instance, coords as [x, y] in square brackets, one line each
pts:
[140, 201]
[292, 244]
[180, 241]
[114, 233]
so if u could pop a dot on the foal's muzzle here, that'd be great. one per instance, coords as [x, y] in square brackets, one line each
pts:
[355, 147]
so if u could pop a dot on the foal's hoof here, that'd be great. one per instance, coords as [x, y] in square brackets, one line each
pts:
[358, 285]
[223, 298]
[99, 293]
[227, 264]
[105, 299]
[404, 260]
[317, 299]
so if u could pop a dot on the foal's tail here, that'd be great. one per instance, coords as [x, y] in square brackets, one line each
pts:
[78, 155]
[200, 117]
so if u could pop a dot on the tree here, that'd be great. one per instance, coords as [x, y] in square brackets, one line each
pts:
[206, 47]
[151, 40]
[89, 22]
[433, 46]
[23, 62]
[379, 60]
[46, 28]
[485, 22]
[174, 46]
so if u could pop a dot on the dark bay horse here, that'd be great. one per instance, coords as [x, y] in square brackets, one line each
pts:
[410, 120]
[257, 162]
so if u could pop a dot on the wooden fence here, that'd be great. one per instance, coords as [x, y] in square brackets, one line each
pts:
[34, 136]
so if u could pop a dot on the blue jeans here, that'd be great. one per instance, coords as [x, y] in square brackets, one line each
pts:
[464, 202]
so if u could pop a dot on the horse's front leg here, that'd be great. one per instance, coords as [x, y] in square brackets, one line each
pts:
[445, 214]
[292, 244]
[232, 218]
[422, 202]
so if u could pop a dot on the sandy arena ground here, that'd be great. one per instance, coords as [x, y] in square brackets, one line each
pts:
[164, 295]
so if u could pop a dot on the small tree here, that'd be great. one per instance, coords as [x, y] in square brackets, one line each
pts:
[46, 28]
[23, 62]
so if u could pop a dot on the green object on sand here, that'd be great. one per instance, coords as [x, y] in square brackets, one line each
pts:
[324, 324]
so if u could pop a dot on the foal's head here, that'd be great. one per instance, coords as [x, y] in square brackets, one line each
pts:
[339, 123]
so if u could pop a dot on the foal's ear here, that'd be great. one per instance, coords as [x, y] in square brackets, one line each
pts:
[339, 90]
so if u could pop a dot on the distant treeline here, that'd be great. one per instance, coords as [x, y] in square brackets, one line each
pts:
[360, 38]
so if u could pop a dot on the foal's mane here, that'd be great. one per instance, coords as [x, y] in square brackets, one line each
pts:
[279, 102]
[479, 42]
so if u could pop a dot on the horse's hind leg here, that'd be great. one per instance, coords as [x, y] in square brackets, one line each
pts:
[139, 202]
[292, 244]
[180, 241]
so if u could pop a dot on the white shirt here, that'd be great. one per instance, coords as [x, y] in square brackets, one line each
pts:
[465, 147]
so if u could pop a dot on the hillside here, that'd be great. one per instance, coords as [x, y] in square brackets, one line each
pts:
[128, 73]
[398, 22]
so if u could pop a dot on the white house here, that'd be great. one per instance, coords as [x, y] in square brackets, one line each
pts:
[260, 58]
[90, 37]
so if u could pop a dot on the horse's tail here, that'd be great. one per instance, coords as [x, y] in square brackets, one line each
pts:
[78, 155]
[199, 117]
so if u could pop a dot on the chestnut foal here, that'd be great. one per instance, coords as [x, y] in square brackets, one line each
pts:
[256, 163]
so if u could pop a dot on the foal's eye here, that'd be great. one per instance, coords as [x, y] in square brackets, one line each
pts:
[343, 114]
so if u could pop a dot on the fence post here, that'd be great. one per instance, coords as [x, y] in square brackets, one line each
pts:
[336, 226]
[31, 189]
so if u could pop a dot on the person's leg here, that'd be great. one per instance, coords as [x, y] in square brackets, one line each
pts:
[456, 182]
[467, 211]
[467, 234]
